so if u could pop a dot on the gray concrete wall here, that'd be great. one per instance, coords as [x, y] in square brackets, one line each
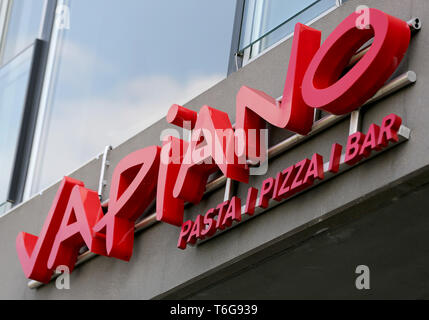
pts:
[158, 269]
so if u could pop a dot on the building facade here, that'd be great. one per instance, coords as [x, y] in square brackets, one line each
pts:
[82, 78]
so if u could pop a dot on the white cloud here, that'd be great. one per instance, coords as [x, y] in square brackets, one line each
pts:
[79, 64]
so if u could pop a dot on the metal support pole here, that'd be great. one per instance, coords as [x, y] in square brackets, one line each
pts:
[104, 165]
[355, 122]
[230, 187]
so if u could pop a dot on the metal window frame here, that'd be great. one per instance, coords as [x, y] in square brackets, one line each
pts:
[235, 61]
[31, 106]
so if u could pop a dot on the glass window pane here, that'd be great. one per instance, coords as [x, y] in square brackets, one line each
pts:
[23, 26]
[247, 23]
[120, 67]
[272, 20]
[278, 11]
[14, 78]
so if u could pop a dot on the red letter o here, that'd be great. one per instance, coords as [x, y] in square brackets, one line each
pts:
[324, 88]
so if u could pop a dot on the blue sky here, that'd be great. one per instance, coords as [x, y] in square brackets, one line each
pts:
[179, 38]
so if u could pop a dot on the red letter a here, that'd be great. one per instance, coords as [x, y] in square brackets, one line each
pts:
[132, 190]
[82, 213]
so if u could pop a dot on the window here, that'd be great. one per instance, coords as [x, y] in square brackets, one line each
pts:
[14, 78]
[21, 23]
[118, 67]
[22, 26]
[266, 22]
